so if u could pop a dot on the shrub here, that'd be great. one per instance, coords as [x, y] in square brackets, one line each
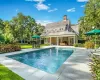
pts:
[95, 67]
[76, 45]
[2, 39]
[97, 46]
[89, 45]
[9, 48]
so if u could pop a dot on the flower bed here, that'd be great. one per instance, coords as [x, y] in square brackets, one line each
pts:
[9, 48]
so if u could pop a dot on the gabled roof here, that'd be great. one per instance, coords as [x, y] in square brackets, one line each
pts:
[75, 28]
[57, 24]
[52, 29]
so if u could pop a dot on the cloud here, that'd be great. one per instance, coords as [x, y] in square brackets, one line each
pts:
[39, 0]
[82, 0]
[41, 6]
[17, 10]
[49, 4]
[35, 0]
[71, 10]
[43, 22]
[55, 9]
[82, 5]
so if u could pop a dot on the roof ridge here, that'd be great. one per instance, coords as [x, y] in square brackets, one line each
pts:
[56, 22]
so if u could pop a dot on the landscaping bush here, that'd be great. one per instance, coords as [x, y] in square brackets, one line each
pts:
[95, 67]
[78, 45]
[89, 45]
[9, 48]
[97, 46]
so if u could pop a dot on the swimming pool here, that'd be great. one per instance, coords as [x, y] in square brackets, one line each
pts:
[48, 60]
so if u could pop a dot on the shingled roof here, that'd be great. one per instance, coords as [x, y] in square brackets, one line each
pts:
[57, 24]
[60, 28]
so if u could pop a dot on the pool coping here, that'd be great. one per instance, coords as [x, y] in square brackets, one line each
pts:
[34, 73]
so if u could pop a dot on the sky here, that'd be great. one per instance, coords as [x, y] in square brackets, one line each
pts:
[43, 11]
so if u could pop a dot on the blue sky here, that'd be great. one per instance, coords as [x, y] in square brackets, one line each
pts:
[44, 11]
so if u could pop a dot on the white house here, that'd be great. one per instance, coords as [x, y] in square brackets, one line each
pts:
[61, 33]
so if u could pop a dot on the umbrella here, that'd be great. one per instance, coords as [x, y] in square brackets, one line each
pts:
[36, 36]
[94, 32]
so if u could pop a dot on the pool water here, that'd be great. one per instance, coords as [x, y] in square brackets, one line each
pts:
[48, 60]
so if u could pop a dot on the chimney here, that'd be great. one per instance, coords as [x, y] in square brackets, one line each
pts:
[65, 18]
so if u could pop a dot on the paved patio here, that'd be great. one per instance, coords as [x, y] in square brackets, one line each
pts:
[76, 67]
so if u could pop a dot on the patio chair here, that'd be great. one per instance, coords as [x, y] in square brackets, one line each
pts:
[62, 44]
[96, 50]
[96, 53]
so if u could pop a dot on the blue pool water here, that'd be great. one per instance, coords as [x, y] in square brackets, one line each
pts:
[48, 60]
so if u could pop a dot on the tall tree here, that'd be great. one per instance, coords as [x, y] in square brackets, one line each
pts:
[91, 17]
[1, 26]
[7, 31]
[20, 28]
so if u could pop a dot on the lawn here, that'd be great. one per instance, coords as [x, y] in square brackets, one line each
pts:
[26, 46]
[6, 74]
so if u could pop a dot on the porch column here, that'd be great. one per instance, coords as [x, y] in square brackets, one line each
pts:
[68, 41]
[57, 41]
[61, 39]
[74, 39]
[50, 40]
[40, 40]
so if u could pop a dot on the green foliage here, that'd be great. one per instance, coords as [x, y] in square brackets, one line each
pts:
[78, 45]
[95, 67]
[91, 17]
[89, 45]
[6, 74]
[9, 48]
[2, 39]
[97, 45]
[20, 28]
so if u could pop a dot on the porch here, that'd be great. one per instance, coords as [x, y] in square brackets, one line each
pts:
[61, 40]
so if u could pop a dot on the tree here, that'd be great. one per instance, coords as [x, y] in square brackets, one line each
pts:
[1, 26]
[20, 28]
[7, 32]
[30, 27]
[91, 17]
[39, 29]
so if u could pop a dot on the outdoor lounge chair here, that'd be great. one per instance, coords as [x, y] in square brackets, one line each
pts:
[96, 53]
[62, 44]
[96, 50]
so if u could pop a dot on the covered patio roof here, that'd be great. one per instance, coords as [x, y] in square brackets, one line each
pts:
[58, 34]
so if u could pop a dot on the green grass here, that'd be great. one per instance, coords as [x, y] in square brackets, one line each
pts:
[26, 46]
[6, 74]
[42, 45]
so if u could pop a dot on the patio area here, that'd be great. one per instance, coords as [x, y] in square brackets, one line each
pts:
[76, 67]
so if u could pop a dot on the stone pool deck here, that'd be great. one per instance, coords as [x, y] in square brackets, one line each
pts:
[76, 67]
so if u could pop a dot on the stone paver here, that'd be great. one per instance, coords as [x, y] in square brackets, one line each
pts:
[49, 77]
